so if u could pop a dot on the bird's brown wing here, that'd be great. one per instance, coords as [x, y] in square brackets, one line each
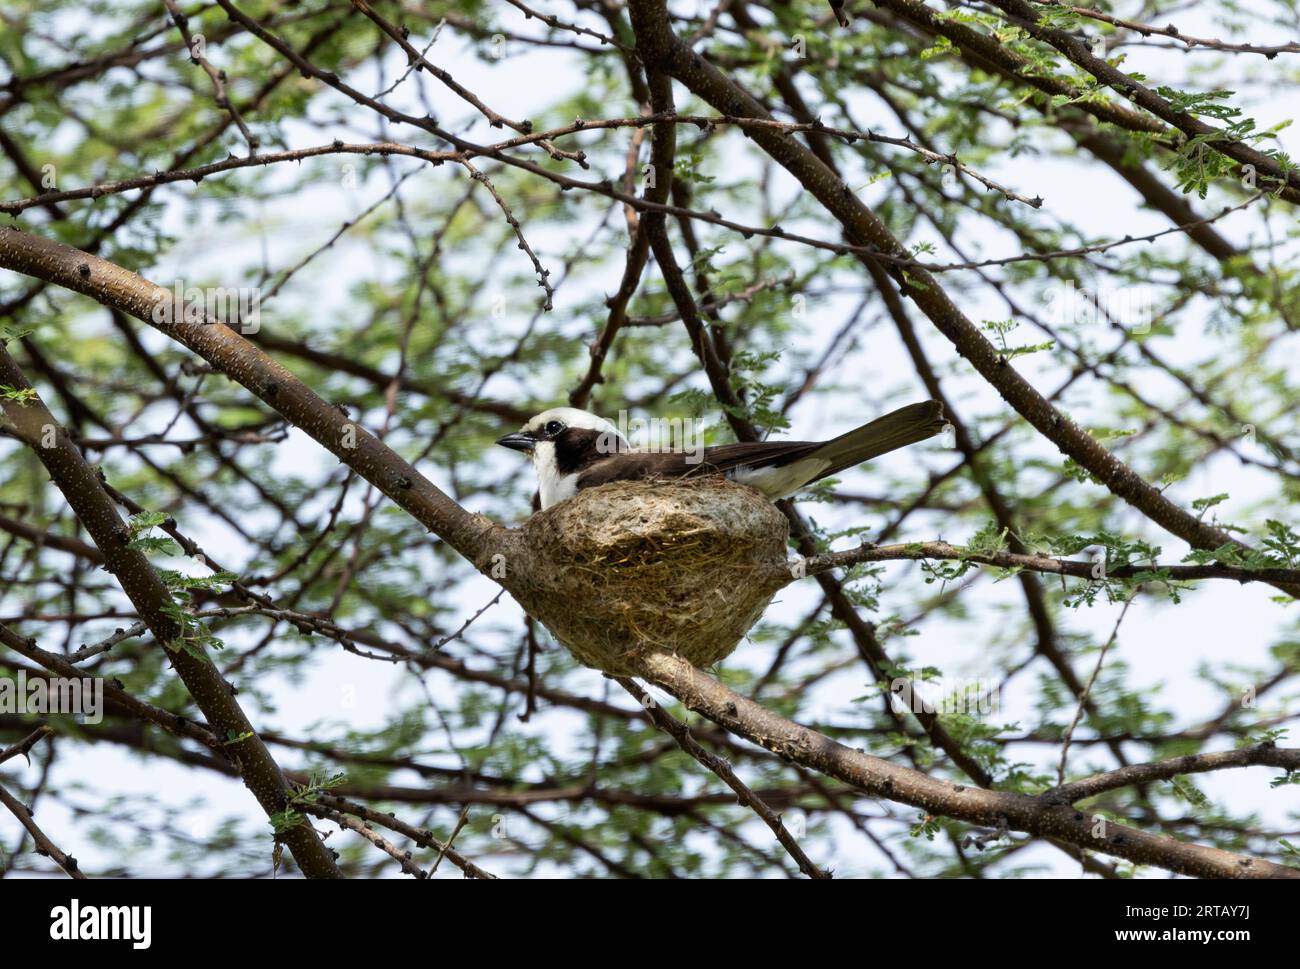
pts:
[770, 454]
[635, 465]
[897, 429]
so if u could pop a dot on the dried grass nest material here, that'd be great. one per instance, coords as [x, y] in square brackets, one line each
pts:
[682, 566]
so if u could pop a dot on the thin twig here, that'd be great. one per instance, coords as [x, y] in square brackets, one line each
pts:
[746, 797]
[1087, 690]
[44, 846]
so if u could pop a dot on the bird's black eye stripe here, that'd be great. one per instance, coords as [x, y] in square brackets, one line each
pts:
[553, 428]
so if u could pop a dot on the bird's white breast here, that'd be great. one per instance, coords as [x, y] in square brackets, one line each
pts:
[552, 486]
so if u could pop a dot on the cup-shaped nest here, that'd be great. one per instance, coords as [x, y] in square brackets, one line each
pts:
[682, 566]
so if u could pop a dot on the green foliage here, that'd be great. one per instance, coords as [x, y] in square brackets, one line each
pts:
[1001, 328]
[20, 394]
[319, 783]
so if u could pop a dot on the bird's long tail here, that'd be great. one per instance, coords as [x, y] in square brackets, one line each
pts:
[902, 427]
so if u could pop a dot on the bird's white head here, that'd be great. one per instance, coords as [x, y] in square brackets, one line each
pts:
[546, 422]
[563, 442]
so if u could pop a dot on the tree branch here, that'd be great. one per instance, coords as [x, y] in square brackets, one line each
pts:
[942, 551]
[240, 360]
[84, 492]
[1044, 816]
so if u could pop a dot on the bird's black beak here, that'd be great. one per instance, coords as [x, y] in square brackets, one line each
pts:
[518, 441]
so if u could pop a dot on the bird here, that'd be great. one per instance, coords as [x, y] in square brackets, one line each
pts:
[572, 449]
